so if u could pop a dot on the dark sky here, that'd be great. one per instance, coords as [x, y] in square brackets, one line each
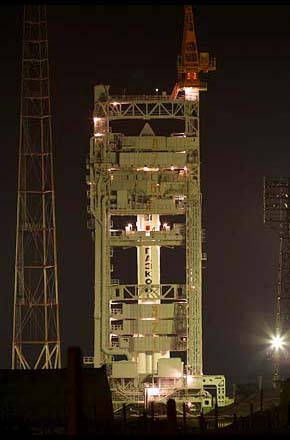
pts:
[245, 121]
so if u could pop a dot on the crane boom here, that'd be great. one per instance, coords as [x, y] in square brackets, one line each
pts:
[191, 62]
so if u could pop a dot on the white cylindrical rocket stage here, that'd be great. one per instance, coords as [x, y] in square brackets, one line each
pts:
[148, 258]
[149, 276]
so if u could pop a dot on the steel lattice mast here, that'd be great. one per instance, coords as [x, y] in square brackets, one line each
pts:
[277, 215]
[36, 338]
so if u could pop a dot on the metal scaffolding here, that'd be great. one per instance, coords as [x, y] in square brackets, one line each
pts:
[36, 338]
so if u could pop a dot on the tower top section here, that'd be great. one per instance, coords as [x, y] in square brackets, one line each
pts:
[191, 62]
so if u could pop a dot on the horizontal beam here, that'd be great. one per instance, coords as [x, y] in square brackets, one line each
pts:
[156, 238]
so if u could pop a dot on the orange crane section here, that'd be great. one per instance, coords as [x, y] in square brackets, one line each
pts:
[191, 62]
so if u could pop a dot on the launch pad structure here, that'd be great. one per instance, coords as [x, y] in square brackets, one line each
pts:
[145, 207]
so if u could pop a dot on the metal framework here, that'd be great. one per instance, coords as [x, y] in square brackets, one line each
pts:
[277, 216]
[144, 180]
[36, 338]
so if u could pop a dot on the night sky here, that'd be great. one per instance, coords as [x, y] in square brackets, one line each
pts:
[245, 121]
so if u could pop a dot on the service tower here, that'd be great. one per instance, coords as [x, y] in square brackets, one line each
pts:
[145, 203]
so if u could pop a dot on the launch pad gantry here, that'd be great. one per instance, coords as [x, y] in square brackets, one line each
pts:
[145, 203]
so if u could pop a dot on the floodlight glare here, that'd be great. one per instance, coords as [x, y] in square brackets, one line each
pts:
[277, 342]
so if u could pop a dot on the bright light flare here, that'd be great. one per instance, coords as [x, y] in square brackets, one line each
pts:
[277, 343]
[189, 379]
[153, 391]
[191, 93]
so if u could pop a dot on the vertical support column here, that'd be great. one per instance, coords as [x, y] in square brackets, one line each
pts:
[197, 321]
[99, 195]
[98, 357]
[102, 277]
[106, 275]
[96, 194]
[193, 263]
[193, 250]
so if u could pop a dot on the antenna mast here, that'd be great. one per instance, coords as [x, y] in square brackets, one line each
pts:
[36, 338]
